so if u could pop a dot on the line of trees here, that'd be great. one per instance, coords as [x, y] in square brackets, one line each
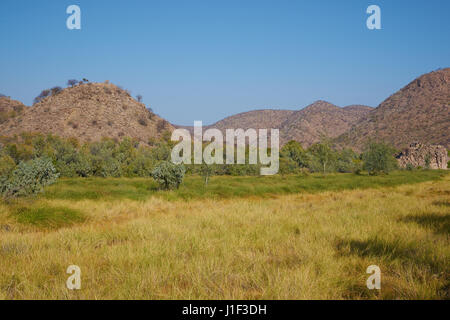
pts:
[128, 158]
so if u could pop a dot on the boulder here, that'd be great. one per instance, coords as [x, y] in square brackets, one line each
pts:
[418, 154]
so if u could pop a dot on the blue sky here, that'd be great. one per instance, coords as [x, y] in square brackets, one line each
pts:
[205, 60]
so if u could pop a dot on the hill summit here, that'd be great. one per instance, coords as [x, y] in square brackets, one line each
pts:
[418, 112]
[89, 112]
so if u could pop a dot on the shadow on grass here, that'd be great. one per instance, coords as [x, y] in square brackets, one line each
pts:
[394, 255]
[438, 223]
[412, 253]
[442, 203]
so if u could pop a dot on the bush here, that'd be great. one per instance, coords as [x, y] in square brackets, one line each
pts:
[29, 178]
[379, 158]
[293, 150]
[168, 175]
[409, 167]
[72, 82]
[7, 165]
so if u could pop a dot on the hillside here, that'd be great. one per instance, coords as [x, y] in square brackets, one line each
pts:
[256, 119]
[89, 112]
[320, 119]
[10, 108]
[307, 125]
[420, 112]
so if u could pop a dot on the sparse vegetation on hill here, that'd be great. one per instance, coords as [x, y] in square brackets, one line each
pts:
[418, 112]
[10, 108]
[89, 112]
[319, 119]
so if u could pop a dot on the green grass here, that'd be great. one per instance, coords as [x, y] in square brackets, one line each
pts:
[232, 240]
[47, 217]
[221, 187]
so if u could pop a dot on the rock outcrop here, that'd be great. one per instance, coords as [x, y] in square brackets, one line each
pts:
[421, 155]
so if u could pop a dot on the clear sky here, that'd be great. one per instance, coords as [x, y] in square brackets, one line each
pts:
[205, 60]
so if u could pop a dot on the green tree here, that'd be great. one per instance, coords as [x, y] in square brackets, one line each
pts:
[294, 151]
[168, 175]
[323, 155]
[206, 171]
[29, 178]
[379, 158]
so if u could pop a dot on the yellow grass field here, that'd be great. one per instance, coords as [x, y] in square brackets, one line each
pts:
[293, 246]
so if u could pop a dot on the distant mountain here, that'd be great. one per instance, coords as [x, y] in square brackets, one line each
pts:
[10, 108]
[307, 125]
[420, 112]
[89, 112]
[321, 119]
[256, 119]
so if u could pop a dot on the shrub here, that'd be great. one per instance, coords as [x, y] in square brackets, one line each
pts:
[29, 178]
[7, 165]
[44, 93]
[378, 158]
[293, 150]
[55, 90]
[72, 82]
[168, 175]
[409, 167]
[161, 126]
[206, 171]
[142, 122]
[427, 161]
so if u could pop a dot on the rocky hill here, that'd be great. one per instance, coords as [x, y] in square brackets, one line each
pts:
[307, 125]
[89, 112]
[10, 108]
[256, 119]
[418, 112]
[321, 119]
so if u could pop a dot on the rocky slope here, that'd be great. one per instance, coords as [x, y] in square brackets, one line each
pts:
[307, 125]
[420, 155]
[10, 109]
[321, 119]
[89, 112]
[418, 112]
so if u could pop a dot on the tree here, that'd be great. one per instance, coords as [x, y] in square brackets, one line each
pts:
[44, 93]
[72, 82]
[29, 178]
[294, 151]
[427, 161]
[55, 90]
[168, 175]
[139, 98]
[206, 171]
[322, 154]
[379, 158]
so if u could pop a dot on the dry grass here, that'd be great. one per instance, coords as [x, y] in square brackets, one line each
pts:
[300, 246]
